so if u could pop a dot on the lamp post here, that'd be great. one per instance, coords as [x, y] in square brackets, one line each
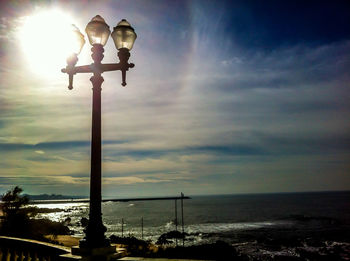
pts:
[98, 32]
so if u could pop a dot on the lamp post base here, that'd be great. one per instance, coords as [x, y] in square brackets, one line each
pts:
[95, 234]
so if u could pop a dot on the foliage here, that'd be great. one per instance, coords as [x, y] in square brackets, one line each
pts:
[13, 201]
[41, 227]
[134, 246]
[128, 241]
[163, 239]
[216, 251]
[18, 218]
[15, 220]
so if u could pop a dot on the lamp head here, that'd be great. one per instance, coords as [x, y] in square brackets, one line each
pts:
[124, 35]
[97, 31]
[77, 40]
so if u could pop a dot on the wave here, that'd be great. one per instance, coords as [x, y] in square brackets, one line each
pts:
[65, 206]
[169, 224]
[227, 227]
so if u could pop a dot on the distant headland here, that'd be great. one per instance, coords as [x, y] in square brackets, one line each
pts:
[52, 197]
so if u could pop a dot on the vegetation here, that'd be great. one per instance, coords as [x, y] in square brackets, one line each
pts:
[217, 251]
[130, 241]
[18, 219]
[164, 238]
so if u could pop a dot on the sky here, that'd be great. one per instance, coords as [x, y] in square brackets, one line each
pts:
[226, 97]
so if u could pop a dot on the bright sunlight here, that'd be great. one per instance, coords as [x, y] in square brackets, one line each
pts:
[47, 40]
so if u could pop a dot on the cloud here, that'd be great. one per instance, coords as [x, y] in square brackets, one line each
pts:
[230, 62]
[30, 181]
[131, 180]
[55, 145]
[229, 150]
[37, 181]
[206, 107]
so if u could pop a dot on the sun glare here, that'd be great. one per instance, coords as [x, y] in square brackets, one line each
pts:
[46, 40]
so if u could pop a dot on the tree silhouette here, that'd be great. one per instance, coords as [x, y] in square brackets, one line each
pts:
[15, 221]
[13, 201]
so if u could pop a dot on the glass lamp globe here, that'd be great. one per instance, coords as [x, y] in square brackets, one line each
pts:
[97, 31]
[77, 40]
[123, 35]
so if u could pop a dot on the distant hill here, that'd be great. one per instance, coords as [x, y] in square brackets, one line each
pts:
[51, 197]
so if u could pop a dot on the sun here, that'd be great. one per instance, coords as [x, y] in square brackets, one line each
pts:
[46, 41]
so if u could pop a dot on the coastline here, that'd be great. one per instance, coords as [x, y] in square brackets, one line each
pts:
[258, 249]
[271, 227]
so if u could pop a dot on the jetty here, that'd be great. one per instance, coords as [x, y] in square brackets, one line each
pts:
[74, 200]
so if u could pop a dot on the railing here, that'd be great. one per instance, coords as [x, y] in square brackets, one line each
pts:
[18, 249]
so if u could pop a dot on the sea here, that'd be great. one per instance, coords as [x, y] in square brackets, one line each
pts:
[262, 226]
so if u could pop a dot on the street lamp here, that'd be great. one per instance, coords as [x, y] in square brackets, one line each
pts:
[98, 32]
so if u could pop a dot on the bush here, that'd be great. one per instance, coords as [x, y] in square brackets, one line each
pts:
[130, 241]
[217, 251]
[163, 239]
[17, 222]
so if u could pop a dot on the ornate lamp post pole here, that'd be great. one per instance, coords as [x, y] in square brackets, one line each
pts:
[98, 33]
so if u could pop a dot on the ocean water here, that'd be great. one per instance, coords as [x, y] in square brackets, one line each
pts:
[240, 220]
